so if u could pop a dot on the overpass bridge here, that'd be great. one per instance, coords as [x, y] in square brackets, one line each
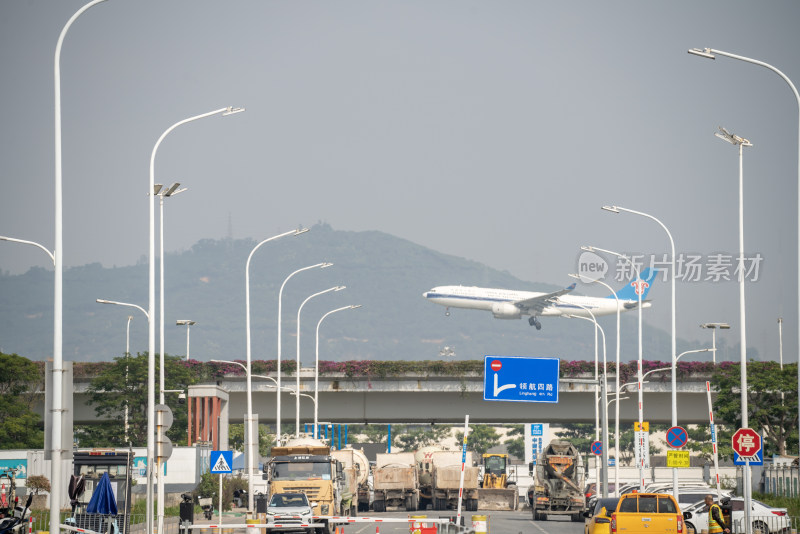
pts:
[431, 398]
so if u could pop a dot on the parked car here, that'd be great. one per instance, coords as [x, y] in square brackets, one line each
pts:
[598, 519]
[766, 519]
[290, 510]
[646, 513]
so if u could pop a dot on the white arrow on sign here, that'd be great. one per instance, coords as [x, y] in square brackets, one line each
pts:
[499, 390]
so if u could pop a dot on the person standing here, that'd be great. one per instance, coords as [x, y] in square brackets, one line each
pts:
[716, 522]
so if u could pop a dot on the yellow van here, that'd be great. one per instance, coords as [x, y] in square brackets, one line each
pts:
[647, 513]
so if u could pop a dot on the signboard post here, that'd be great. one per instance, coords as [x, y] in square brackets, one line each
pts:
[221, 462]
[517, 379]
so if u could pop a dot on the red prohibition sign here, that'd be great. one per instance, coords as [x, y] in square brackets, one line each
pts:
[496, 365]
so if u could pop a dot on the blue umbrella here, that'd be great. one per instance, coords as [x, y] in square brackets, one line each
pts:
[103, 501]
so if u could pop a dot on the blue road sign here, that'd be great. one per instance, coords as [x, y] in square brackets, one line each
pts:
[677, 437]
[756, 459]
[221, 462]
[518, 379]
[597, 448]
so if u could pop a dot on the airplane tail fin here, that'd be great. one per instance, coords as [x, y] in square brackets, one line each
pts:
[643, 284]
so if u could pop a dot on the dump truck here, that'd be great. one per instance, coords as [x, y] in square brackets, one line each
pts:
[497, 492]
[355, 468]
[305, 465]
[423, 457]
[395, 482]
[446, 479]
[558, 482]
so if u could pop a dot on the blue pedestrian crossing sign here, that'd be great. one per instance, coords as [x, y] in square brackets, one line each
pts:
[518, 379]
[221, 462]
[756, 459]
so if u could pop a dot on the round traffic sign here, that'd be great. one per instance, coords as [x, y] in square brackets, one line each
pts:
[746, 442]
[496, 365]
[677, 437]
[597, 448]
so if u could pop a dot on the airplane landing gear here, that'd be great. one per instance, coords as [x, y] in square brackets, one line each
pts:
[533, 321]
[447, 312]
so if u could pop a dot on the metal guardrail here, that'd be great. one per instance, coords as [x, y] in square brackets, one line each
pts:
[768, 525]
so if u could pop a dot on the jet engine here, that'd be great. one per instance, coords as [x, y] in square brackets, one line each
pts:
[505, 310]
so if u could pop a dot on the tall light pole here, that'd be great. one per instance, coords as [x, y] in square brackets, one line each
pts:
[618, 209]
[162, 193]
[604, 411]
[297, 406]
[316, 362]
[711, 53]
[249, 453]
[616, 378]
[188, 324]
[58, 290]
[713, 327]
[280, 304]
[639, 289]
[127, 357]
[151, 342]
[740, 143]
[127, 346]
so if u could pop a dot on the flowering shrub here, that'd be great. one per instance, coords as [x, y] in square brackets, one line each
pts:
[387, 368]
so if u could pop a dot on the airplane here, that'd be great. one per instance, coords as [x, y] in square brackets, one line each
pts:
[510, 304]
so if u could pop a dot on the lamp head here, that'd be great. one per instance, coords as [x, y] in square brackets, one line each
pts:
[185, 322]
[232, 111]
[702, 52]
[612, 209]
[354, 306]
[733, 139]
[325, 265]
[103, 301]
[300, 231]
[157, 188]
[339, 288]
[587, 249]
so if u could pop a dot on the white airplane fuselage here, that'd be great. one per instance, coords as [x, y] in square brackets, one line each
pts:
[501, 302]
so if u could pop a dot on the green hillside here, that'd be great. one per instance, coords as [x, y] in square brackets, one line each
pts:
[385, 274]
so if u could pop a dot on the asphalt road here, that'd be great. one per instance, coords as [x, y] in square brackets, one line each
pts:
[498, 523]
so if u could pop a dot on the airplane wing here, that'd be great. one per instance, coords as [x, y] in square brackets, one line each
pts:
[535, 305]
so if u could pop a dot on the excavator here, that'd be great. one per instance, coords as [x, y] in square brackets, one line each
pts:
[496, 491]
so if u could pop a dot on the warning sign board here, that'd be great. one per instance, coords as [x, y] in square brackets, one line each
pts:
[221, 462]
[678, 459]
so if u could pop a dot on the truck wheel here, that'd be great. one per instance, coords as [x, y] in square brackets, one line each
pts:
[575, 517]
[415, 502]
[474, 505]
[379, 506]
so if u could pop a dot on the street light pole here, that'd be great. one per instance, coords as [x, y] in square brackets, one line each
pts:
[297, 371]
[616, 381]
[248, 427]
[316, 362]
[713, 327]
[639, 291]
[711, 53]
[617, 209]
[603, 387]
[58, 290]
[151, 337]
[278, 433]
[188, 324]
[127, 357]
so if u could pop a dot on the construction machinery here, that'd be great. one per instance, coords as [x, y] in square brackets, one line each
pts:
[558, 483]
[355, 468]
[395, 482]
[305, 465]
[497, 492]
[446, 481]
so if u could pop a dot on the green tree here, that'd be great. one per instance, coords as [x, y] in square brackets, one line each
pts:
[209, 487]
[481, 438]
[515, 441]
[266, 439]
[20, 382]
[417, 438]
[581, 435]
[379, 433]
[124, 382]
[771, 402]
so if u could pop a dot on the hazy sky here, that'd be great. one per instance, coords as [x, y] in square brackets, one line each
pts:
[491, 130]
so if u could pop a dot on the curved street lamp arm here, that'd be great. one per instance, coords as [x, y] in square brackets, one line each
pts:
[104, 301]
[34, 243]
